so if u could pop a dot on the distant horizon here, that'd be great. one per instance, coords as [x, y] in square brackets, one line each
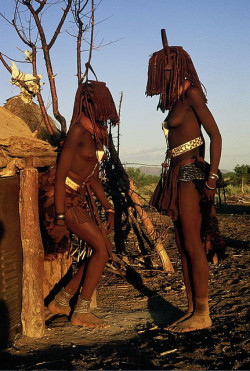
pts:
[143, 164]
[224, 171]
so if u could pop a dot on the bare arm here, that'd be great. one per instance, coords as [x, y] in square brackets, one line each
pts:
[206, 118]
[60, 230]
[72, 141]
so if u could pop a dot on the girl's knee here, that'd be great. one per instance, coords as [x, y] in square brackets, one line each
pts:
[194, 247]
[192, 237]
[102, 253]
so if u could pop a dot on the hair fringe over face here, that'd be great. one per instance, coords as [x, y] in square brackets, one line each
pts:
[168, 82]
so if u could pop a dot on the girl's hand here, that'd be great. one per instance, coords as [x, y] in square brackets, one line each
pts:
[209, 193]
[58, 232]
[110, 216]
[210, 189]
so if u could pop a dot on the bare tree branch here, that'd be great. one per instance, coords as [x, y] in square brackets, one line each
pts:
[119, 114]
[42, 3]
[5, 18]
[5, 63]
[91, 39]
[39, 96]
[58, 29]
[46, 53]
[13, 59]
[92, 30]
[78, 9]
[36, 9]
[22, 37]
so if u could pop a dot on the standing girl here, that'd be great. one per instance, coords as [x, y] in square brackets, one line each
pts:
[187, 185]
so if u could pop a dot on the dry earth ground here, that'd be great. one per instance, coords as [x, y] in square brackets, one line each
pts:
[139, 310]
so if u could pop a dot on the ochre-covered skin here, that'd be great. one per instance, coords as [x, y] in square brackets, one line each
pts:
[78, 160]
[187, 114]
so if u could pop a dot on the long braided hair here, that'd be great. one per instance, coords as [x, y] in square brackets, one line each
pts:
[167, 71]
[95, 100]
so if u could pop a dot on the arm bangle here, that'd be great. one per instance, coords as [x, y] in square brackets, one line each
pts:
[211, 188]
[110, 211]
[214, 175]
[60, 216]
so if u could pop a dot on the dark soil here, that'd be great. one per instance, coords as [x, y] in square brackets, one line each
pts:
[139, 310]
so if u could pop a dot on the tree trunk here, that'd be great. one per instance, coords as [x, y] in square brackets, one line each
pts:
[39, 96]
[33, 320]
[242, 184]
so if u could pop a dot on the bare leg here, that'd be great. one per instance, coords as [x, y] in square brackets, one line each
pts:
[75, 281]
[60, 305]
[90, 233]
[197, 262]
[186, 274]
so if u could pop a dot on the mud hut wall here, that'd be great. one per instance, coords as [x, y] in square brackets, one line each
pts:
[10, 260]
[54, 271]
[12, 275]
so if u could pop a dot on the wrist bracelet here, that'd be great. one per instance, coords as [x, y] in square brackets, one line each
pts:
[60, 216]
[110, 211]
[213, 175]
[211, 188]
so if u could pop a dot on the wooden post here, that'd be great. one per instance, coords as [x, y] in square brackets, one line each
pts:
[149, 227]
[32, 317]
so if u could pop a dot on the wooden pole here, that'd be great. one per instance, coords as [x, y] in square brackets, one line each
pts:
[149, 227]
[119, 124]
[32, 316]
[147, 223]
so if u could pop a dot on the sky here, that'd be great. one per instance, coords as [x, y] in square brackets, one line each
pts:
[216, 34]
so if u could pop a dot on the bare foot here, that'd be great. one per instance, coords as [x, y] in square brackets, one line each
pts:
[88, 320]
[187, 315]
[56, 308]
[193, 323]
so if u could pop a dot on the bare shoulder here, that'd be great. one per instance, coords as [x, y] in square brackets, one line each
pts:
[76, 129]
[75, 133]
[194, 96]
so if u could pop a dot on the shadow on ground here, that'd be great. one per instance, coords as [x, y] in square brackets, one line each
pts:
[155, 349]
[233, 209]
[162, 312]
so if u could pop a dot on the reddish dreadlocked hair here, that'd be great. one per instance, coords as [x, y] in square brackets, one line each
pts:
[165, 78]
[95, 100]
